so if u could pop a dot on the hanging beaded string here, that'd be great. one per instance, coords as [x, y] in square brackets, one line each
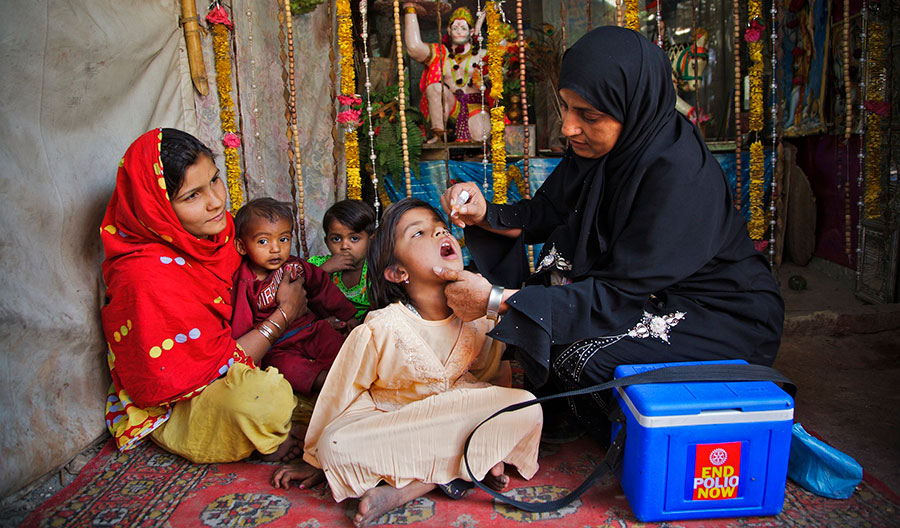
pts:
[738, 198]
[863, 76]
[522, 88]
[590, 15]
[401, 95]
[774, 104]
[364, 19]
[484, 131]
[848, 123]
[848, 110]
[659, 28]
[295, 135]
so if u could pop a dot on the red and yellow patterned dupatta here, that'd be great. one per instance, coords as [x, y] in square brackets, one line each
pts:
[167, 321]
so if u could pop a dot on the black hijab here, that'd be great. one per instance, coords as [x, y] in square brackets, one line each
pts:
[620, 73]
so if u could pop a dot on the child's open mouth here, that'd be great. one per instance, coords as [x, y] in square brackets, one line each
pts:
[447, 249]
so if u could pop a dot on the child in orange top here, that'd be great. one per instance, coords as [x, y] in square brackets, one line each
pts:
[303, 355]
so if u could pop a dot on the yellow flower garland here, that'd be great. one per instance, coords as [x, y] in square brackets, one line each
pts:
[498, 154]
[351, 151]
[757, 225]
[632, 20]
[875, 93]
[226, 112]
[495, 50]
[348, 87]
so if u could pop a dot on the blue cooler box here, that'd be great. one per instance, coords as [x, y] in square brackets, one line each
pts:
[704, 449]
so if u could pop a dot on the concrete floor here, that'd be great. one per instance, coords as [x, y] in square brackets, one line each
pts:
[843, 355]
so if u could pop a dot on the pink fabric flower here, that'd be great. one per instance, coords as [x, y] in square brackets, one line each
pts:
[882, 108]
[348, 116]
[349, 100]
[761, 245]
[218, 15]
[754, 32]
[231, 140]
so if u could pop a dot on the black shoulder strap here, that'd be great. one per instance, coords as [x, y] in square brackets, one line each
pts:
[678, 373]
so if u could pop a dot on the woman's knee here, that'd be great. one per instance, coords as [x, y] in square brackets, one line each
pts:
[262, 394]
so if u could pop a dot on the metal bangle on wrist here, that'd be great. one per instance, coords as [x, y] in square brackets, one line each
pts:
[495, 299]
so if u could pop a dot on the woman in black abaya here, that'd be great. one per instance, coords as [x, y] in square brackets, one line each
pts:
[645, 259]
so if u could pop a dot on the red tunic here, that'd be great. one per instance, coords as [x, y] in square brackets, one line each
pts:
[310, 344]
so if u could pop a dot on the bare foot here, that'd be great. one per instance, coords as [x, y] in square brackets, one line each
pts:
[496, 479]
[291, 448]
[432, 140]
[382, 499]
[308, 476]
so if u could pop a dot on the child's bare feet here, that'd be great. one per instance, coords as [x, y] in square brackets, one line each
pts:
[308, 476]
[291, 448]
[382, 499]
[496, 479]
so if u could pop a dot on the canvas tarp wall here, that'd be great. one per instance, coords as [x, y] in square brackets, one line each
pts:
[80, 81]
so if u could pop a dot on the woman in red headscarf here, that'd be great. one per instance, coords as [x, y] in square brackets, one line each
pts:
[178, 375]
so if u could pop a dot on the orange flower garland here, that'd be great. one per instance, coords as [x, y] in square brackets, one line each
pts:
[756, 227]
[631, 15]
[348, 88]
[495, 51]
[219, 18]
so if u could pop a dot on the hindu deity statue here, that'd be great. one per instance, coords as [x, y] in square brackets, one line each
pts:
[454, 68]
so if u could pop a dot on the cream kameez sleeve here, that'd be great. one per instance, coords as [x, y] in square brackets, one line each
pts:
[347, 384]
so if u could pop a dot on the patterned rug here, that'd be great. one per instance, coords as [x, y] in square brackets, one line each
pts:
[150, 488]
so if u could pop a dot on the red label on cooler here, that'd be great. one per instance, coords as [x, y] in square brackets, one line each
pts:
[717, 471]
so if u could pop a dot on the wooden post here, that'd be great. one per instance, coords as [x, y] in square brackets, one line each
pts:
[191, 24]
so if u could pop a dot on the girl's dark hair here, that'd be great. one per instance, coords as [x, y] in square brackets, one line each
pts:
[179, 150]
[355, 214]
[268, 208]
[383, 292]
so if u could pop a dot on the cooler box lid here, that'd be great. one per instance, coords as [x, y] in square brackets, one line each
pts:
[699, 403]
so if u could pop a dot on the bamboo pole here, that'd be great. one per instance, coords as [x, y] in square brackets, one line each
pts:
[191, 24]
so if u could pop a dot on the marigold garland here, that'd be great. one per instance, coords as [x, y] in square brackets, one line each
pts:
[495, 51]
[631, 15]
[348, 88]
[498, 153]
[226, 112]
[753, 36]
[874, 94]
[757, 225]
